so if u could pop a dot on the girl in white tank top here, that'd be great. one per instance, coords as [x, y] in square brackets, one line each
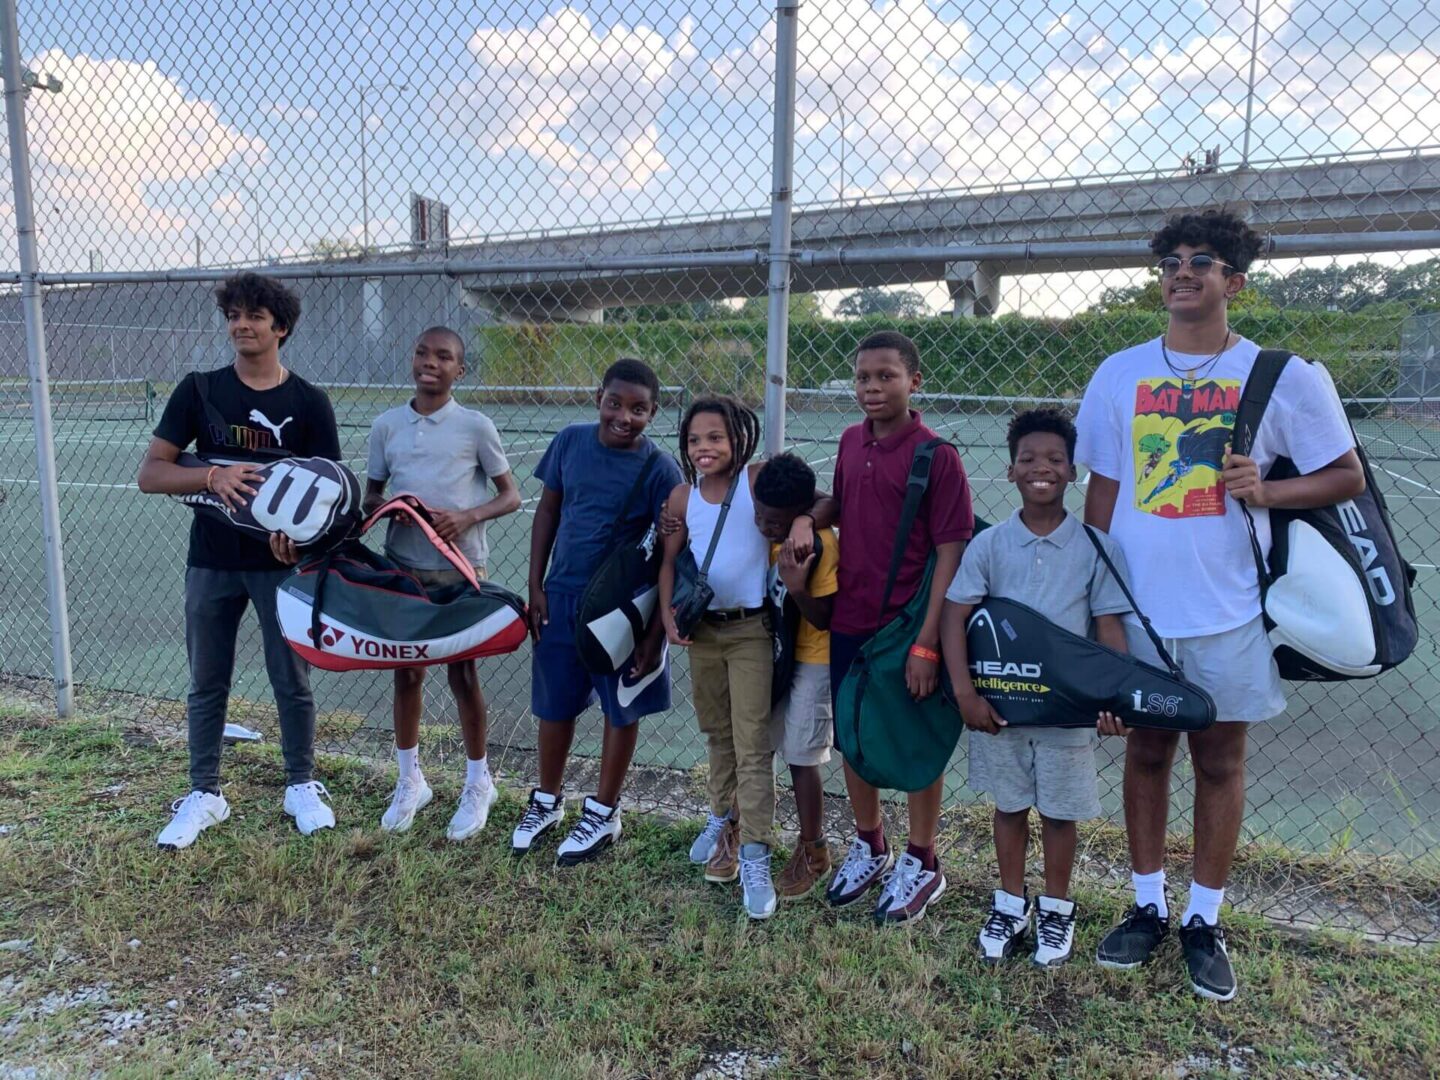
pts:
[731, 651]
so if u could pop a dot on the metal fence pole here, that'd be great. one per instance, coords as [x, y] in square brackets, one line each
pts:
[15, 91]
[1250, 87]
[781, 204]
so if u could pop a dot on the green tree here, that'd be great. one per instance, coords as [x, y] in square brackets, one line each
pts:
[695, 311]
[904, 304]
[334, 247]
[804, 307]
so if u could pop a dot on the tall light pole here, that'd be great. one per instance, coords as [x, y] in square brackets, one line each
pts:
[255, 209]
[364, 175]
[840, 108]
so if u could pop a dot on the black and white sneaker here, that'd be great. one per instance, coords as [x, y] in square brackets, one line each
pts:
[1135, 940]
[542, 814]
[597, 829]
[1054, 931]
[1004, 931]
[1211, 975]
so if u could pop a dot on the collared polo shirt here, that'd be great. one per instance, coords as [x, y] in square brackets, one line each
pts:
[1059, 575]
[870, 481]
[445, 460]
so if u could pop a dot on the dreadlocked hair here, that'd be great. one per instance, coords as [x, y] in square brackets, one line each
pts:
[742, 427]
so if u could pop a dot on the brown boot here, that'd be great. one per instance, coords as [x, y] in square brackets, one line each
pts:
[724, 865]
[809, 862]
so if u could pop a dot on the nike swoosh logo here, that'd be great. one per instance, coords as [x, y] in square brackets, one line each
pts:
[629, 691]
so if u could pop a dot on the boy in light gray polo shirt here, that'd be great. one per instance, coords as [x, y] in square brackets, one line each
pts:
[447, 456]
[1039, 557]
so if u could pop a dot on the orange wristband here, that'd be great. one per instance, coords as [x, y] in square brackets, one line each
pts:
[925, 654]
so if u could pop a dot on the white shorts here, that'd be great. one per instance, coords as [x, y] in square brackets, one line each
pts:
[1235, 667]
[802, 725]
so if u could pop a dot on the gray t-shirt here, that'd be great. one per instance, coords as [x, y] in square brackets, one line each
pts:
[1059, 575]
[1063, 578]
[443, 459]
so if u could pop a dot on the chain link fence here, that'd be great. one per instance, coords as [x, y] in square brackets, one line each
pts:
[567, 184]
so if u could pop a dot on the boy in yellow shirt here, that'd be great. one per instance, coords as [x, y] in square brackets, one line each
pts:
[802, 724]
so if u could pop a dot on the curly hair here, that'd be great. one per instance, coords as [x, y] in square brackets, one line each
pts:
[892, 339]
[741, 425]
[636, 372]
[1033, 421]
[251, 292]
[1223, 232]
[785, 482]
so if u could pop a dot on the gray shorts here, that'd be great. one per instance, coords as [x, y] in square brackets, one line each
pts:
[801, 726]
[1235, 667]
[1051, 769]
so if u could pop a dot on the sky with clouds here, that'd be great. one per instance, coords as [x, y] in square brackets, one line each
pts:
[206, 122]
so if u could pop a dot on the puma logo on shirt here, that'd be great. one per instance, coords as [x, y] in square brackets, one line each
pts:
[258, 417]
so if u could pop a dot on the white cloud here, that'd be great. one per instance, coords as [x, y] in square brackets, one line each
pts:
[289, 113]
[102, 146]
[586, 102]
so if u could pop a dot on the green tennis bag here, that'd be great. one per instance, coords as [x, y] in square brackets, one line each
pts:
[890, 739]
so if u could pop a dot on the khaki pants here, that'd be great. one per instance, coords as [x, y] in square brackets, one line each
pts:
[730, 666]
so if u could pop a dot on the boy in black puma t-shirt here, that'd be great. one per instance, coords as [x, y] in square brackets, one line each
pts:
[266, 408]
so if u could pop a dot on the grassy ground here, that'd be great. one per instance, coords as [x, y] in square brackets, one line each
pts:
[258, 952]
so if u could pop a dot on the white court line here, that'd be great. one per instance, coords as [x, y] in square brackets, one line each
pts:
[1429, 455]
[71, 483]
[1407, 480]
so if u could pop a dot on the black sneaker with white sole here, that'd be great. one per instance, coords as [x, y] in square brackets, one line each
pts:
[542, 814]
[1135, 940]
[597, 829]
[1211, 975]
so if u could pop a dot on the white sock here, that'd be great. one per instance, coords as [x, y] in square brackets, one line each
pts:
[477, 771]
[1204, 902]
[1150, 889]
[409, 761]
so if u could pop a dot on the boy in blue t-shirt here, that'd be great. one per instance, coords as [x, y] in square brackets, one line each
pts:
[588, 472]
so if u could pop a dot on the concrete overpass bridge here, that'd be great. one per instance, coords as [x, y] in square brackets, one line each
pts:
[1029, 229]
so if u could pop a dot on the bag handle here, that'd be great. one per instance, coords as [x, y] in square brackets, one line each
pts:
[720, 521]
[421, 517]
[1144, 621]
[915, 486]
[1254, 399]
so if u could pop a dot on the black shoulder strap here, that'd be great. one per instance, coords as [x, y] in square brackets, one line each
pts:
[1144, 621]
[635, 490]
[1254, 399]
[219, 428]
[915, 487]
[720, 521]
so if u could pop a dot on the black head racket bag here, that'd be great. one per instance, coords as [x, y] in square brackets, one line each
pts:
[1038, 674]
[353, 608]
[1335, 590]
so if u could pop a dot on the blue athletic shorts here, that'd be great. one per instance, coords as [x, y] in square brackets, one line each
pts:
[560, 687]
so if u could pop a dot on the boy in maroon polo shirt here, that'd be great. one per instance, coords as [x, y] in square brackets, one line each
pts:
[871, 471]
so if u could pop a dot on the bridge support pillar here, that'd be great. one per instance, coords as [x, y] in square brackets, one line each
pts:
[974, 288]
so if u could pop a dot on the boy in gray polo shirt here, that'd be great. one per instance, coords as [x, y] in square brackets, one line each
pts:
[447, 456]
[1041, 558]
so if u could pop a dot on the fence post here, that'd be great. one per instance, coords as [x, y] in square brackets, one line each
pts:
[777, 332]
[15, 91]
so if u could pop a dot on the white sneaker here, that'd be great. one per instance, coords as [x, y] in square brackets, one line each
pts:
[473, 811]
[756, 889]
[597, 829]
[704, 845]
[542, 814]
[858, 873]
[412, 794]
[909, 891]
[304, 802]
[1054, 931]
[1006, 927]
[194, 814]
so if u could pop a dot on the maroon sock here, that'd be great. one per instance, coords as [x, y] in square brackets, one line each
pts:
[874, 837]
[926, 855]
